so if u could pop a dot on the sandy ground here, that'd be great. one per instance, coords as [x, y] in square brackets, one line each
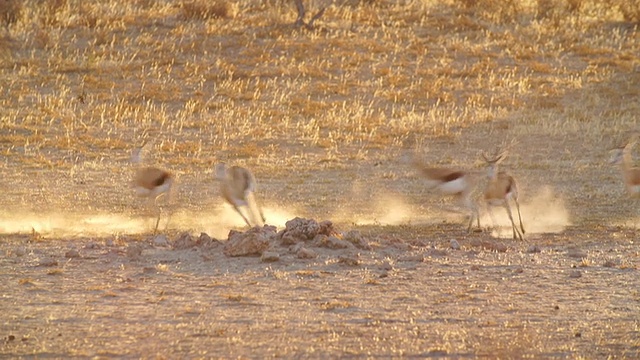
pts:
[568, 295]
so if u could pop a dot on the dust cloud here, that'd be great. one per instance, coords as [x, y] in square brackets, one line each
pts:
[215, 222]
[544, 212]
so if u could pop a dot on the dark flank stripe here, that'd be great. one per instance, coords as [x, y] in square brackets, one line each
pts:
[453, 176]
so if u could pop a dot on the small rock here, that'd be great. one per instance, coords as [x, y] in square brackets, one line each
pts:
[610, 263]
[270, 256]
[356, 238]
[490, 245]
[533, 249]
[184, 241]
[252, 242]
[110, 243]
[92, 245]
[411, 258]
[207, 241]
[21, 251]
[575, 274]
[331, 242]
[48, 262]
[455, 245]
[576, 254]
[518, 270]
[160, 240]
[134, 251]
[347, 260]
[72, 254]
[11, 337]
[387, 266]
[304, 253]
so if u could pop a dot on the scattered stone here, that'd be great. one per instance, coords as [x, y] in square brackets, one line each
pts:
[300, 229]
[489, 245]
[134, 251]
[386, 266]
[207, 241]
[455, 245]
[411, 258]
[92, 245]
[161, 240]
[304, 253]
[475, 267]
[20, 251]
[331, 242]
[578, 334]
[533, 249]
[48, 262]
[356, 238]
[610, 263]
[252, 242]
[556, 307]
[110, 243]
[184, 241]
[518, 270]
[437, 253]
[575, 274]
[576, 253]
[11, 337]
[270, 256]
[72, 254]
[348, 260]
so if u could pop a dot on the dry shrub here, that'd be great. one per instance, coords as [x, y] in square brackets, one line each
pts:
[497, 11]
[205, 10]
[630, 10]
[10, 11]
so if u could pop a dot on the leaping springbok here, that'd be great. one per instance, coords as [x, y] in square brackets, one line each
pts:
[500, 189]
[238, 186]
[630, 174]
[151, 182]
[451, 182]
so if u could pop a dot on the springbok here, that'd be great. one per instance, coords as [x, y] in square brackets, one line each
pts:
[451, 182]
[630, 174]
[500, 188]
[151, 182]
[238, 186]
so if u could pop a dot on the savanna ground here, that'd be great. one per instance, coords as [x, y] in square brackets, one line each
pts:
[326, 118]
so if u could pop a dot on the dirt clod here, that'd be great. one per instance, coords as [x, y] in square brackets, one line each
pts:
[270, 256]
[72, 254]
[184, 241]
[304, 253]
[252, 242]
[356, 238]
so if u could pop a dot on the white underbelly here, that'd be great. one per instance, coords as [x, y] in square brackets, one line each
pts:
[453, 187]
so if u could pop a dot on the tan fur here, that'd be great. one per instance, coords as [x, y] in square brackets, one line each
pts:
[151, 182]
[452, 182]
[237, 187]
[500, 188]
[630, 174]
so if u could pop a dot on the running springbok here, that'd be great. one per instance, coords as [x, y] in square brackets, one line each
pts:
[451, 182]
[238, 186]
[500, 188]
[150, 182]
[630, 174]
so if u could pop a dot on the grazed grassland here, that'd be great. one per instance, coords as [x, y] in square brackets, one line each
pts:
[326, 118]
